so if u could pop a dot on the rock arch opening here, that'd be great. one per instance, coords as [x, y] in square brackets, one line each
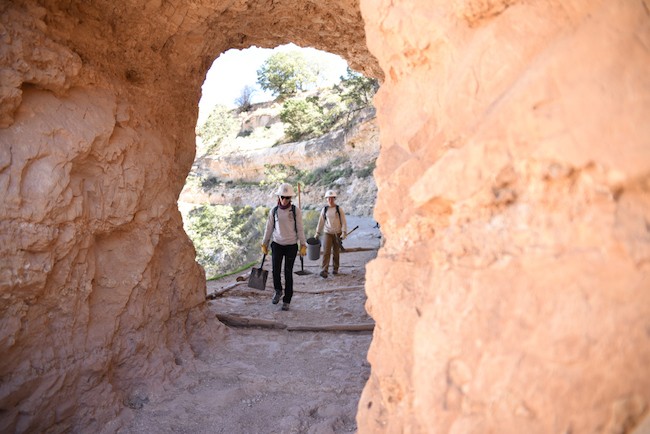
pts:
[321, 136]
[514, 134]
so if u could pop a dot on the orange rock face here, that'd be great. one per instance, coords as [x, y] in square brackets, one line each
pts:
[513, 290]
[512, 293]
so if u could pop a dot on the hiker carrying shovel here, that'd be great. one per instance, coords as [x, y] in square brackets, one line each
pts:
[284, 229]
[333, 226]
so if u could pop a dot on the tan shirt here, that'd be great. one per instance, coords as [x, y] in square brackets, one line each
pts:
[331, 224]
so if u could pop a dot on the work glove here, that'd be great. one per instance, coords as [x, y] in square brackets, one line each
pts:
[265, 249]
[303, 250]
[344, 235]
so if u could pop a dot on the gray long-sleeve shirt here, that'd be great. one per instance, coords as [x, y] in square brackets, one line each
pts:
[285, 230]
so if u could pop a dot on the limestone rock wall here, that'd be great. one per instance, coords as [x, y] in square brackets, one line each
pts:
[512, 293]
[359, 144]
[97, 280]
[100, 295]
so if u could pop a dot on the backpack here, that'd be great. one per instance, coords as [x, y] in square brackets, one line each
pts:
[293, 210]
[337, 211]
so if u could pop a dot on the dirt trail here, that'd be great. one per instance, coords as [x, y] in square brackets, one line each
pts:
[277, 380]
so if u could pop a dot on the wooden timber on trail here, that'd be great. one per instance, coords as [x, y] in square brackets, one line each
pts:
[217, 293]
[227, 288]
[243, 321]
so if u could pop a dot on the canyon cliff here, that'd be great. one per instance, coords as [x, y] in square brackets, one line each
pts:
[237, 173]
[512, 291]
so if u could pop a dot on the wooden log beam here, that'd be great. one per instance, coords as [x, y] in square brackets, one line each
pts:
[248, 322]
[243, 277]
[334, 328]
[243, 321]
[328, 290]
[221, 291]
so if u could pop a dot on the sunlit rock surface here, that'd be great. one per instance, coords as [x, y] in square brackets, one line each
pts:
[513, 290]
[101, 301]
[512, 293]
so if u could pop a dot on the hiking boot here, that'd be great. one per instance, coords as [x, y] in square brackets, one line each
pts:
[323, 274]
[276, 297]
[335, 272]
[285, 306]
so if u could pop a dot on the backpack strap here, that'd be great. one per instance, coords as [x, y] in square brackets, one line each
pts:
[337, 211]
[295, 220]
[275, 215]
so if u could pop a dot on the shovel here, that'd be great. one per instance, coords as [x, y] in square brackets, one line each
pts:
[302, 271]
[257, 279]
[341, 241]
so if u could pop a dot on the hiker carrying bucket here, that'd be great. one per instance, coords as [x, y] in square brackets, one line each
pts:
[284, 229]
[332, 225]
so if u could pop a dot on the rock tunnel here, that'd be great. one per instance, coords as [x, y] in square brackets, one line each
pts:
[513, 290]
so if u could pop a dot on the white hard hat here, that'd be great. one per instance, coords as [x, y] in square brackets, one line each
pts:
[285, 190]
[330, 193]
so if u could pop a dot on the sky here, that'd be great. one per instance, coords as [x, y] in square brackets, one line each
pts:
[235, 69]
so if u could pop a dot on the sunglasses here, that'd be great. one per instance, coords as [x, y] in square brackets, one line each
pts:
[285, 197]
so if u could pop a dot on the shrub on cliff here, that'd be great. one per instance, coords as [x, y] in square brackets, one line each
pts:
[275, 174]
[228, 237]
[219, 126]
[244, 101]
[357, 90]
[303, 118]
[225, 237]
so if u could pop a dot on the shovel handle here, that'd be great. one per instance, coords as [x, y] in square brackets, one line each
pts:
[355, 228]
[263, 259]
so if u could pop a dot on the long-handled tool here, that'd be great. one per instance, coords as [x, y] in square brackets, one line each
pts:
[341, 241]
[354, 229]
[302, 271]
[257, 279]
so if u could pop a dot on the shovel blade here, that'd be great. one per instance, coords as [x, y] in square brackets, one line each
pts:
[257, 279]
[302, 271]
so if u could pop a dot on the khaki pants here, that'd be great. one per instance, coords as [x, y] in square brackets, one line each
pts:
[331, 242]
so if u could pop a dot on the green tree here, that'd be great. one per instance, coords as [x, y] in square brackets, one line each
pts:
[275, 174]
[303, 118]
[225, 237]
[357, 90]
[286, 73]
